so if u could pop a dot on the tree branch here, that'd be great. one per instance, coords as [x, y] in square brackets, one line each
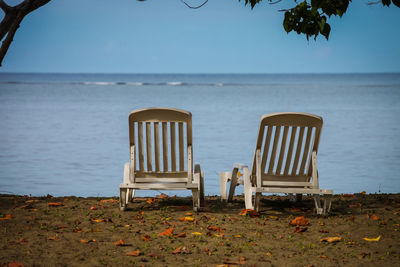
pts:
[12, 19]
[194, 7]
[4, 6]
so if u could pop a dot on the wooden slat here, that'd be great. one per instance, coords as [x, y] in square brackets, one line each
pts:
[314, 146]
[148, 147]
[181, 145]
[140, 137]
[157, 146]
[290, 150]
[274, 147]
[283, 148]
[165, 146]
[173, 146]
[298, 148]
[161, 180]
[306, 150]
[266, 149]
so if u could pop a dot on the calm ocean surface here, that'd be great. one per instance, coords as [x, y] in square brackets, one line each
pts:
[67, 134]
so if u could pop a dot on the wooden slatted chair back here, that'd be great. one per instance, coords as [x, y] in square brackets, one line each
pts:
[286, 141]
[160, 145]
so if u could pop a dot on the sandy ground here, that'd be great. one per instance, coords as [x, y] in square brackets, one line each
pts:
[72, 231]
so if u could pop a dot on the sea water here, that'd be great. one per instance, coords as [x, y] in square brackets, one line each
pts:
[67, 134]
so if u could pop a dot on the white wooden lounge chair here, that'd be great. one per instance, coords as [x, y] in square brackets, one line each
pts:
[285, 161]
[173, 170]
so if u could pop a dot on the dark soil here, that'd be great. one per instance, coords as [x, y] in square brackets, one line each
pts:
[85, 231]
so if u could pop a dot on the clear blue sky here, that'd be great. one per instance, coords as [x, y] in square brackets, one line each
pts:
[224, 36]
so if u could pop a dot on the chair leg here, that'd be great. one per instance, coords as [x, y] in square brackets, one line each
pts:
[257, 199]
[196, 199]
[233, 184]
[122, 199]
[318, 207]
[327, 203]
[201, 188]
[248, 193]
[224, 177]
[131, 195]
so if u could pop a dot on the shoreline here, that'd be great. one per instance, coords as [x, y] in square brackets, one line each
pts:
[362, 229]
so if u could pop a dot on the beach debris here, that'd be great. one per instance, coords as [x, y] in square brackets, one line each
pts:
[87, 241]
[300, 229]
[15, 264]
[121, 243]
[93, 208]
[373, 239]
[374, 217]
[186, 219]
[219, 235]
[151, 200]
[213, 228]
[331, 239]
[145, 238]
[180, 235]
[135, 253]
[22, 241]
[181, 250]
[97, 220]
[53, 237]
[167, 232]
[299, 221]
[196, 233]
[54, 204]
[250, 213]
[7, 217]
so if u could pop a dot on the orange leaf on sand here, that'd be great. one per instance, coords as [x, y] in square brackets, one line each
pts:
[189, 213]
[7, 217]
[186, 219]
[181, 250]
[93, 208]
[372, 239]
[145, 238]
[162, 196]
[300, 229]
[98, 220]
[331, 239]
[120, 243]
[249, 212]
[22, 241]
[133, 253]
[15, 264]
[53, 237]
[167, 232]
[299, 221]
[180, 235]
[54, 204]
[213, 228]
[374, 217]
[87, 241]
[151, 200]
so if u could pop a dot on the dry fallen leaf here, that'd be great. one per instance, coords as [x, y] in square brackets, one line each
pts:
[98, 220]
[54, 204]
[355, 205]
[373, 239]
[120, 243]
[15, 264]
[219, 235]
[299, 221]
[7, 217]
[87, 241]
[22, 241]
[151, 200]
[374, 217]
[167, 232]
[181, 250]
[133, 253]
[213, 228]
[322, 256]
[145, 238]
[53, 237]
[180, 235]
[331, 239]
[249, 212]
[189, 213]
[186, 219]
[109, 200]
[93, 208]
[196, 233]
[300, 229]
